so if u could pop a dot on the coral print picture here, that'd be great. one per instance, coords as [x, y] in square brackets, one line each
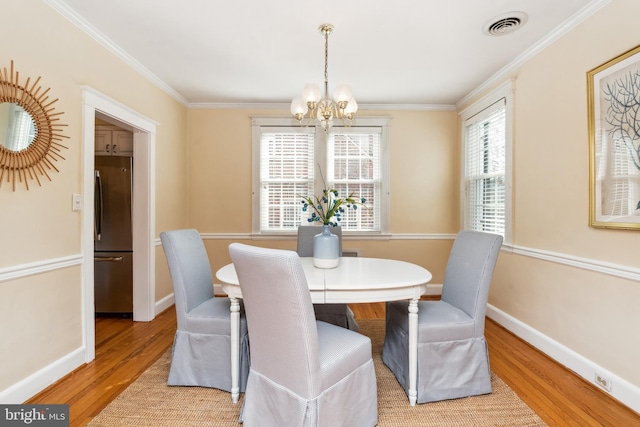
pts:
[614, 142]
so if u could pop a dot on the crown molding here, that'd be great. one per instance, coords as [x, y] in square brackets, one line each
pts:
[525, 56]
[64, 10]
[285, 106]
[503, 73]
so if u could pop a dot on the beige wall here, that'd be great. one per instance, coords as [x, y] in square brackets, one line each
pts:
[591, 313]
[41, 314]
[424, 184]
[203, 180]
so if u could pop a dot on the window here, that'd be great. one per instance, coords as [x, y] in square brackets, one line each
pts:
[354, 168]
[486, 163]
[286, 171]
[291, 161]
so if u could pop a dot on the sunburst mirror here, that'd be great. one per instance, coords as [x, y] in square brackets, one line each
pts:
[30, 131]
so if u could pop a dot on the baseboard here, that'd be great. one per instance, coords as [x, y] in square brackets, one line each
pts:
[621, 389]
[433, 289]
[33, 384]
[164, 303]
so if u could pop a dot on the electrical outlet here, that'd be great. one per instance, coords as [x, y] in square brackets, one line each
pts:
[603, 382]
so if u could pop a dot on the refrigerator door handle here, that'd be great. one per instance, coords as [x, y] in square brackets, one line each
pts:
[97, 211]
[108, 258]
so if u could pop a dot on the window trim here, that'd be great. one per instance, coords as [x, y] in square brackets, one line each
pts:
[506, 91]
[383, 122]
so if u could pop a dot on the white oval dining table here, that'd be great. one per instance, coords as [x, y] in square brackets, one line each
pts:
[354, 280]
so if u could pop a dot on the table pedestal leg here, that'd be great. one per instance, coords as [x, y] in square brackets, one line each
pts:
[413, 351]
[235, 349]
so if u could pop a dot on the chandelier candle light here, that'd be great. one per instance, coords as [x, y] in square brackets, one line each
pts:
[311, 106]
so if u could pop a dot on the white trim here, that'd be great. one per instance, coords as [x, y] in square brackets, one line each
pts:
[63, 9]
[597, 266]
[29, 269]
[621, 389]
[283, 106]
[144, 129]
[502, 91]
[525, 56]
[505, 90]
[603, 267]
[33, 384]
[66, 11]
[165, 303]
[362, 121]
[433, 289]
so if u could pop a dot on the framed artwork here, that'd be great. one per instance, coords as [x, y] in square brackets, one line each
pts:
[613, 91]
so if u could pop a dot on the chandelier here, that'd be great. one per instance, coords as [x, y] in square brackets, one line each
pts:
[312, 107]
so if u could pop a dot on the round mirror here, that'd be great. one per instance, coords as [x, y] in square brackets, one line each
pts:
[30, 131]
[17, 127]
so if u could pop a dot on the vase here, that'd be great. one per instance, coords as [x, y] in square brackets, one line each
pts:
[326, 249]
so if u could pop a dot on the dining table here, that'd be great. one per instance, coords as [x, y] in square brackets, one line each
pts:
[354, 280]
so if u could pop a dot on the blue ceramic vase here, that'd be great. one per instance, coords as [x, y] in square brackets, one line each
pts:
[326, 249]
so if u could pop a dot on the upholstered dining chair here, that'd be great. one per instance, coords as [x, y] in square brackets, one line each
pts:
[201, 354]
[303, 372]
[338, 314]
[453, 359]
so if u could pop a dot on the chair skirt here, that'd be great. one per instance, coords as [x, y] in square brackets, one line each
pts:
[203, 360]
[446, 370]
[348, 397]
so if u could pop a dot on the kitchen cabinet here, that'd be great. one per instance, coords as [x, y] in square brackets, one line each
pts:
[113, 142]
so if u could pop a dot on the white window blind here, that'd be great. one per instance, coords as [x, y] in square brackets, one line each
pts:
[484, 170]
[354, 167]
[292, 162]
[286, 173]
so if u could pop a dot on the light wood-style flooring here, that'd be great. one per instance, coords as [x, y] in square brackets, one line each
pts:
[125, 349]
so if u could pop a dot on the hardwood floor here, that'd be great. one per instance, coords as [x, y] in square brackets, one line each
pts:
[125, 349]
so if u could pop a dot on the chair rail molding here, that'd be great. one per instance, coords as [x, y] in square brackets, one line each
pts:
[598, 266]
[37, 267]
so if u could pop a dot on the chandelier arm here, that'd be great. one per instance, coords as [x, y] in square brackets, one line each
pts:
[326, 109]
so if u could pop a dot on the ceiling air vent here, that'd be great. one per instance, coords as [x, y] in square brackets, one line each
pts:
[505, 23]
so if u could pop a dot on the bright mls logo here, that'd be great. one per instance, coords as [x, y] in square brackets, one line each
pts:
[34, 415]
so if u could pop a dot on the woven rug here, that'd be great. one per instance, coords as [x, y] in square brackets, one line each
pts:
[150, 402]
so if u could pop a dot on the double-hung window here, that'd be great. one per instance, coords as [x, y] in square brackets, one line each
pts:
[286, 172]
[292, 162]
[486, 180]
[353, 167]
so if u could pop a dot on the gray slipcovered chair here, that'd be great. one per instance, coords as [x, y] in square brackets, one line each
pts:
[201, 354]
[338, 314]
[453, 359]
[303, 372]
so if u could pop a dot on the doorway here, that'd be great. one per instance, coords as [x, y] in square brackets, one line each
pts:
[99, 106]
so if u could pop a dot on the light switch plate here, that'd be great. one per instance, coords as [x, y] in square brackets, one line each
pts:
[77, 203]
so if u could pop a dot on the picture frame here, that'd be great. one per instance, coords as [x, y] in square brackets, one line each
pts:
[613, 102]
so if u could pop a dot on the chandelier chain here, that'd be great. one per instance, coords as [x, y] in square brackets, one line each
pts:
[326, 63]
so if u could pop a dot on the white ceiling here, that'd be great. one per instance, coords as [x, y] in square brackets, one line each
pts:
[403, 52]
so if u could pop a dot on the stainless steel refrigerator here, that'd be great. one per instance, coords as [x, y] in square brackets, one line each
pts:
[113, 249]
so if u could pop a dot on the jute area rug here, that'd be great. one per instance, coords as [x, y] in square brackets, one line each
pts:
[150, 402]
